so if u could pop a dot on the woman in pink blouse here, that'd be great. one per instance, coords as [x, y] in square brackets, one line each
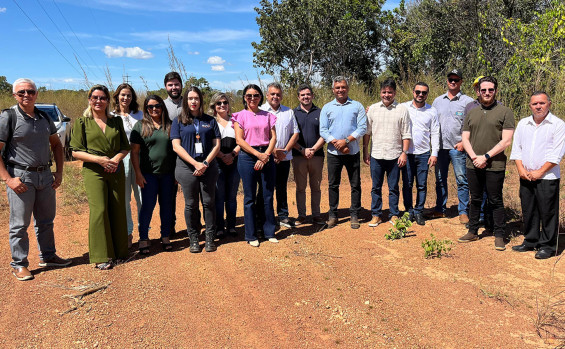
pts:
[255, 134]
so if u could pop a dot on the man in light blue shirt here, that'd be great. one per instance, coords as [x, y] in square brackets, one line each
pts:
[342, 122]
[451, 112]
[422, 152]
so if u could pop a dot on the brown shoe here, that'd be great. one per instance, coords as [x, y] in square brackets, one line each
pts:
[375, 221]
[22, 274]
[332, 222]
[436, 214]
[54, 261]
[393, 219]
[499, 244]
[354, 222]
[463, 218]
[470, 236]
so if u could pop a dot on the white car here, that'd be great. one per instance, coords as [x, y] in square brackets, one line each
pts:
[63, 124]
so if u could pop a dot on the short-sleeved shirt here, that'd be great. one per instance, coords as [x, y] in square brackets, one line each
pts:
[88, 137]
[388, 126]
[451, 113]
[309, 126]
[173, 108]
[29, 145]
[156, 153]
[207, 130]
[256, 127]
[285, 126]
[485, 125]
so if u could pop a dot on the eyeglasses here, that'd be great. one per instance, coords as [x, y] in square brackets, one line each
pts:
[222, 103]
[22, 93]
[252, 96]
[452, 80]
[423, 93]
[154, 106]
[99, 98]
[485, 90]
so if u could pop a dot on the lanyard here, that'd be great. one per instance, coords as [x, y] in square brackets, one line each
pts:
[196, 127]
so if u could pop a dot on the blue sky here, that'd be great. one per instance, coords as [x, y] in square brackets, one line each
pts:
[43, 39]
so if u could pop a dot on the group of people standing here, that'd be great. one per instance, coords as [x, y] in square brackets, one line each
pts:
[147, 151]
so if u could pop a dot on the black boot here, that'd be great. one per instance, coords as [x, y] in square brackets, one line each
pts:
[210, 246]
[194, 246]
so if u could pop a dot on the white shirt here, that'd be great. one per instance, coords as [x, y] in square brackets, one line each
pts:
[130, 120]
[227, 131]
[425, 129]
[537, 144]
[285, 127]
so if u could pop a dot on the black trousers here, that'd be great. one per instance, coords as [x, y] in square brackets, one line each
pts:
[540, 204]
[352, 164]
[492, 181]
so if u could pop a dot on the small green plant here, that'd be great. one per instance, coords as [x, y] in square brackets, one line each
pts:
[436, 248]
[400, 228]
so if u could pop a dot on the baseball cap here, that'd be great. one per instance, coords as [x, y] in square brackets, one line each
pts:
[455, 72]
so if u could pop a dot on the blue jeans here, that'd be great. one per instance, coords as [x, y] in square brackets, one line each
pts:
[250, 178]
[457, 158]
[159, 186]
[416, 167]
[226, 195]
[378, 169]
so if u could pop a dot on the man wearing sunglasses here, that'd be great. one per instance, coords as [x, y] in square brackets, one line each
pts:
[451, 112]
[487, 132]
[28, 135]
[422, 152]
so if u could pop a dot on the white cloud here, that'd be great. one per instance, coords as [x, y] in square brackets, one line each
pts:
[130, 52]
[193, 53]
[2, 10]
[218, 67]
[216, 60]
[209, 36]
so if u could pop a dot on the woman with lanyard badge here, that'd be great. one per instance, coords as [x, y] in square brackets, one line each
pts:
[228, 179]
[125, 105]
[196, 140]
[255, 134]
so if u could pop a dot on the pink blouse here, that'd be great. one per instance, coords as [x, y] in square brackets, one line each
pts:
[256, 127]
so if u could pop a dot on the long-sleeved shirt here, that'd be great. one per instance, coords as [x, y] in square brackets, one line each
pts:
[451, 114]
[338, 121]
[285, 127]
[388, 127]
[425, 129]
[535, 144]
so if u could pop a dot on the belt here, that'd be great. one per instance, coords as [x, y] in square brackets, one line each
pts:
[261, 149]
[29, 168]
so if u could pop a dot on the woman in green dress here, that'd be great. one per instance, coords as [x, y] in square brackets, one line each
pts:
[99, 140]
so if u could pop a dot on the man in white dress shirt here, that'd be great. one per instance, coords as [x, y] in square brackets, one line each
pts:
[537, 150]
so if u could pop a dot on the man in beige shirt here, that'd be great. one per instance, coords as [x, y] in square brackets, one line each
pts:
[388, 124]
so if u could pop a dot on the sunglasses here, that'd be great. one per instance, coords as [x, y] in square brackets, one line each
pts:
[485, 90]
[253, 96]
[99, 98]
[222, 103]
[423, 93]
[154, 106]
[22, 93]
[452, 80]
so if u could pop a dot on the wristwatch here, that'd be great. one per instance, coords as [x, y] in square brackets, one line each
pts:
[347, 140]
[487, 156]
[205, 163]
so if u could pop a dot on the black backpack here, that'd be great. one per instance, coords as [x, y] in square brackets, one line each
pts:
[12, 126]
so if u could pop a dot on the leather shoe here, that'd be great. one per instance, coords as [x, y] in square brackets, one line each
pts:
[420, 219]
[544, 254]
[355, 222]
[522, 248]
[54, 261]
[22, 274]
[332, 222]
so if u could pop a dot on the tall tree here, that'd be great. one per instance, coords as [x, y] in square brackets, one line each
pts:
[317, 39]
[5, 86]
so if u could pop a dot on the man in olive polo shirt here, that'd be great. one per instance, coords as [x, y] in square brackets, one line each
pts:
[28, 134]
[487, 131]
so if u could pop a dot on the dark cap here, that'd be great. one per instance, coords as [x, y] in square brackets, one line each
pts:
[455, 72]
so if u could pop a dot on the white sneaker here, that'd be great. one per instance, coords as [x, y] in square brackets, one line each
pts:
[254, 243]
[274, 240]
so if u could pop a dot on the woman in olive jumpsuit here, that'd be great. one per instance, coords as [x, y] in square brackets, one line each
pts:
[99, 140]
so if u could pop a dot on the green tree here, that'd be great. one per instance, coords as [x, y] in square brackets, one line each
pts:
[5, 86]
[317, 39]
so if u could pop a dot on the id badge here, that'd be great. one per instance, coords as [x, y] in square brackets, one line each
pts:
[198, 148]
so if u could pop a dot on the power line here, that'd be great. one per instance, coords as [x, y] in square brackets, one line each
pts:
[46, 38]
[62, 35]
[79, 41]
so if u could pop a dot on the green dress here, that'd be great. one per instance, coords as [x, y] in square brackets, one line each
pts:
[107, 229]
